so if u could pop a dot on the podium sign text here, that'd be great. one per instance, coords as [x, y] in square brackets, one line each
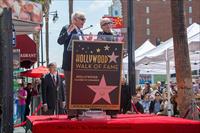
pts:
[96, 72]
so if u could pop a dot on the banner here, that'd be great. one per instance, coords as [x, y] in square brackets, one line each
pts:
[117, 22]
[96, 74]
[145, 78]
[24, 10]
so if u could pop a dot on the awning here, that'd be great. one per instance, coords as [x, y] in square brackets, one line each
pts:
[28, 54]
[37, 72]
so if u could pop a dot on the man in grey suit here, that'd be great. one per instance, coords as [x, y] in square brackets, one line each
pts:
[52, 91]
[78, 20]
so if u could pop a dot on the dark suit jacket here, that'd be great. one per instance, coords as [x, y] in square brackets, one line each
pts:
[49, 91]
[103, 36]
[125, 103]
[139, 107]
[64, 38]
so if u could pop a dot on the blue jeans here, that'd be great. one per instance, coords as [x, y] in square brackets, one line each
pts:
[21, 109]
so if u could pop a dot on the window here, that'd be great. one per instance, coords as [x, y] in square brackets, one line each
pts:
[190, 20]
[190, 0]
[190, 9]
[116, 13]
[138, 0]
[147, 9]
[148, 31]
[148, 21]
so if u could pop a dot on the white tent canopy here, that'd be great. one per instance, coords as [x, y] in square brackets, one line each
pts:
[158, 55]
[144, 48]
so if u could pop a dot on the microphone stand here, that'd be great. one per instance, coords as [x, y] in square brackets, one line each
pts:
[87, 27]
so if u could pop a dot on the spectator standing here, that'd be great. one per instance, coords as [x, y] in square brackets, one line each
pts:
[125, 97]
[159, 87]
[155, 105]
[52, 91]
[28, 99]
[136, 105]
[146, 104]
[147, 89]
[22, 95]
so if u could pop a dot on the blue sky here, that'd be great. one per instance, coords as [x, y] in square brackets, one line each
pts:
[94, 10]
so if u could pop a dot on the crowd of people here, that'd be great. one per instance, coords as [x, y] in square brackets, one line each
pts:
[26, 95]
[154, 99]
[157, 99]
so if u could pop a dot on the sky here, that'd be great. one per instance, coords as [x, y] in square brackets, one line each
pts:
[93, 9]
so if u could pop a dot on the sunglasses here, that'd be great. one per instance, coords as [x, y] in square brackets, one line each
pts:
[82, 19]
[157, 95]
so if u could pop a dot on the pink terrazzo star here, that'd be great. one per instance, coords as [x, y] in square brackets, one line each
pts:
[102, 90]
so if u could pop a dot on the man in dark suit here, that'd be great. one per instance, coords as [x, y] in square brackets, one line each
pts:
[78, 20]
[52, 91]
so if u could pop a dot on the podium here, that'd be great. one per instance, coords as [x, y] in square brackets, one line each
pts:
[95, 72]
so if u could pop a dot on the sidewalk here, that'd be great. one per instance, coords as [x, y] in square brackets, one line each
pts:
[19, 130]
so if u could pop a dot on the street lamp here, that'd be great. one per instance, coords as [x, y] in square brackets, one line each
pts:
[42, 59]
[55, 18]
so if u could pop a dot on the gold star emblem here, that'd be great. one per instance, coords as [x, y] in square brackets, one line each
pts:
[98, 50]
[107, 47]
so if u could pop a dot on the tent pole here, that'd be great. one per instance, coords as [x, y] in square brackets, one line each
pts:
[168, 83]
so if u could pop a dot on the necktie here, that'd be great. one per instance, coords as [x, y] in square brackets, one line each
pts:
[80, 34]
[54, 80]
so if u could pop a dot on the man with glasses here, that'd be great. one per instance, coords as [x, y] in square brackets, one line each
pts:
[52, 91]
[106, 33]
[78, 20]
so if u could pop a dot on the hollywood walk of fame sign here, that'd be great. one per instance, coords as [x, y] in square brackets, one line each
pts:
[96, 72]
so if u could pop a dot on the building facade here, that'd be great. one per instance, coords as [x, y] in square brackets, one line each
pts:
[115, 9]
[153, 19]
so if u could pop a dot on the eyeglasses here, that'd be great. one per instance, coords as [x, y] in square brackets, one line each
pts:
[106, 24]
[157, 95]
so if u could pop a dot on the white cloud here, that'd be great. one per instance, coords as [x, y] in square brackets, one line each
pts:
[96, 5]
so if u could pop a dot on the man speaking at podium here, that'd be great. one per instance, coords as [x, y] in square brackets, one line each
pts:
[78, 20]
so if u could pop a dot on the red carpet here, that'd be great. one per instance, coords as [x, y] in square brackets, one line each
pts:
[122, 124]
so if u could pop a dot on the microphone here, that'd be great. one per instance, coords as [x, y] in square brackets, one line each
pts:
[87, 27]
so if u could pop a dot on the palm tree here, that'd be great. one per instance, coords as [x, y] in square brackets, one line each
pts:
[36, 36]
[45, 7]
[70, 9]
[182, 60]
